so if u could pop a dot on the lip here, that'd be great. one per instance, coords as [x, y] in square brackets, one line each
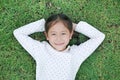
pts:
[59, 44]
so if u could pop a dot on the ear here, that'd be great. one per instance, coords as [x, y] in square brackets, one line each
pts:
[71, 34]
[46, 35]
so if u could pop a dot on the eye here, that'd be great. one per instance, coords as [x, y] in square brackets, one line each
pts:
[53, 34]
[63, 33]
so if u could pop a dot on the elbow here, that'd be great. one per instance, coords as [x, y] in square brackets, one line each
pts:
[15, 32]
[102, 36]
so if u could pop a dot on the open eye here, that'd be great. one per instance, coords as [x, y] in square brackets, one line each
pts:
[53, 34]
[63, 33]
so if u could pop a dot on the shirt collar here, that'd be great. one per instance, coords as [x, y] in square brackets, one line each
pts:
[53, 51]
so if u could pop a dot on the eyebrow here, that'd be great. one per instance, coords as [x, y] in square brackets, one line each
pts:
[56, 31]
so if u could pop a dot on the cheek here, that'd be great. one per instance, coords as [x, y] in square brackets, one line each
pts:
[70, 36]
[67, 38]
[47, 37]
[50, 39]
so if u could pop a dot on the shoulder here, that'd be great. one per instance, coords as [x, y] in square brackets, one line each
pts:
[43, 43]
[81, 48]
[74, 48]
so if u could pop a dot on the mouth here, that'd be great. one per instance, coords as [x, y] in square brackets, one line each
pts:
[59, 44]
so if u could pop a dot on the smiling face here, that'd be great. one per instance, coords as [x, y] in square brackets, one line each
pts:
[59, 36]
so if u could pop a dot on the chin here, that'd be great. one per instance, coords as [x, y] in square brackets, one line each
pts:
[60, 49]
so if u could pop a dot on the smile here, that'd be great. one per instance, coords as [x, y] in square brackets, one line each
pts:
[59, 43]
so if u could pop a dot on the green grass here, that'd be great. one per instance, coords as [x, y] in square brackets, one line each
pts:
[104, 64]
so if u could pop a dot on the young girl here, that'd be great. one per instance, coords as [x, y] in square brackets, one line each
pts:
[55, 59]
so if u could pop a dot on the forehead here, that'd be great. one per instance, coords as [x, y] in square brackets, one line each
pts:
[59, 26]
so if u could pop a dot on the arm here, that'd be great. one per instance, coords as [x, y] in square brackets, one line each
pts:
[87, 48]
[22, 35]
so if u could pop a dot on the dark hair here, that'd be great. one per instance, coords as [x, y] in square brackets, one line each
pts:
[53, 19]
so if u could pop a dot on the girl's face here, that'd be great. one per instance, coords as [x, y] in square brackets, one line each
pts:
[59, 36]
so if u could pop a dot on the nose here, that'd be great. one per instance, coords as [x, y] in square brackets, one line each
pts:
[58, 38]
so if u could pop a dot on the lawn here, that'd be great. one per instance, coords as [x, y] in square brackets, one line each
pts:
[103, 64]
